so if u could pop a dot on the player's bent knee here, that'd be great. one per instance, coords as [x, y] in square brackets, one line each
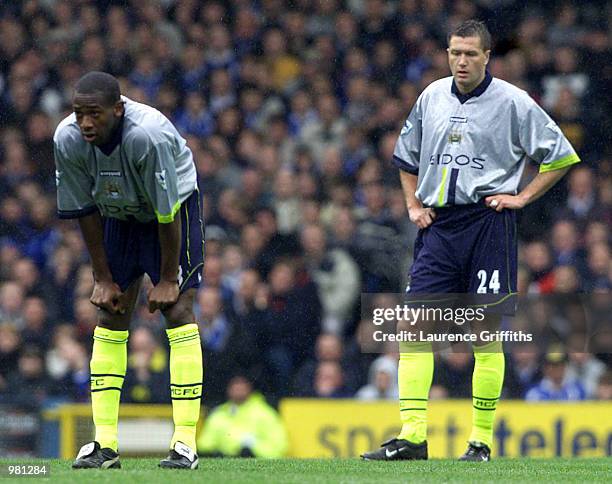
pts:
[181, 312]
[114, 322]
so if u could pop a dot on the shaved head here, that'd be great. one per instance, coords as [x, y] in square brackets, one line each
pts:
[99, 84]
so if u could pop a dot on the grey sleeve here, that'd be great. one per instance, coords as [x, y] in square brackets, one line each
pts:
[406, 154]
[160, 181]
[543, 141]
[74, 186]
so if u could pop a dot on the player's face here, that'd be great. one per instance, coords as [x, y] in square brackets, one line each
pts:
[467, 61]
[96, 120]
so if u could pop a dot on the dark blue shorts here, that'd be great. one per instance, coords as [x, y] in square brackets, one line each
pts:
[133, 248]
[470, 251]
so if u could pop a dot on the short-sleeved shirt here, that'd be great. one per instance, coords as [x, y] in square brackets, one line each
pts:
[466, 147]
[146, 177]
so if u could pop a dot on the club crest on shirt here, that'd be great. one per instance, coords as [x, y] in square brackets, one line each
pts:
[112, 190]
[454, 138]
[160, 176]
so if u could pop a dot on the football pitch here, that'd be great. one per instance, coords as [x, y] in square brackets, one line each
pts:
[336, 471]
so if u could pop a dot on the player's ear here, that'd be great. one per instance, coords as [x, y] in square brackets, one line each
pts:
[487, 56]
[118, 109]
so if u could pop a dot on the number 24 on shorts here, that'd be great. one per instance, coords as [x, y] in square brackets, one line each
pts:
[493, 282]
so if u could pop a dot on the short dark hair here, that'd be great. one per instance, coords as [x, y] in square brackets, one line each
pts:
[473, 28]
[96, 82]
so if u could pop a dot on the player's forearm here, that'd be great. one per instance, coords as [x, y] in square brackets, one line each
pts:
[541, 184]
[93, 234]
[170, 242]
[409, 185]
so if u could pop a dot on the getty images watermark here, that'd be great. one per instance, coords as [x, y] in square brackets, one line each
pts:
[430, 316]
[531, 323]
[450, 320]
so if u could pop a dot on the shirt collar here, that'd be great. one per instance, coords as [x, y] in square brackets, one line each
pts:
[477, 91]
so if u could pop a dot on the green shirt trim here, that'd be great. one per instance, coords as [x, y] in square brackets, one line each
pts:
[166, 219]
[560, 163]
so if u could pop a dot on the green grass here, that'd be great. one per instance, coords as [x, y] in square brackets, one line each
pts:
[337, 471]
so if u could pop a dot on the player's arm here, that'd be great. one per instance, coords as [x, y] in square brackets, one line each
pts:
[74, 200]
[166, 292]
[160, 181]
[106, 293]
[534, 190]
[420, 216]
[406, 157]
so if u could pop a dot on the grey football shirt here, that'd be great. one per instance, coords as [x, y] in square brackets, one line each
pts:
[466, 147]
[146, 177]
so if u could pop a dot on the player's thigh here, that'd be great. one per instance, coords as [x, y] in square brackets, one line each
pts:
[435, 281]
[121, 245]
[121, 322]
[492, 269]
[182, 312]
[435, 269]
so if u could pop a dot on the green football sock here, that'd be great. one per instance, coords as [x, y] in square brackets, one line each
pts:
[487, 382]
[415, 373]
[185, 382]
[108, 364]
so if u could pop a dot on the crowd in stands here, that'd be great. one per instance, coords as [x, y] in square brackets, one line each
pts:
[291, 110]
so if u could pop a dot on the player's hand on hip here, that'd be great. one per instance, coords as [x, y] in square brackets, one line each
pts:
[107, 295]
[422, 217]
[501, 201]
[163, 295]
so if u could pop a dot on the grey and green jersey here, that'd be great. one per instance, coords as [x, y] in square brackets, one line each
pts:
[146, 177]
[466, 147]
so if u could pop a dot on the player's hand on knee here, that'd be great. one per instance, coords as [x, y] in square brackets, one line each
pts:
[107, 295]
[422, 217]
[163, 295]
[501, 201]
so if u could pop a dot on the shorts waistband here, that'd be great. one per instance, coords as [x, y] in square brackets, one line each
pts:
[468, 206]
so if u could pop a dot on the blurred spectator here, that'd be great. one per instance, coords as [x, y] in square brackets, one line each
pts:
[28, 386]
[329, 381]
[336, 275]
[327, 131]
[194, 119]
[538, 260]
[453, 372]
[147, 379]
[565, 245]
[72, 383]
[37, 326]
[556, 383]
[582, 195]
[583, 366]
[598, 266]
[604, 387]
[11, 303]
[10, 348]
[329, 348]
[382, 381]
[244, 426]
[523, 370]
[227, 347]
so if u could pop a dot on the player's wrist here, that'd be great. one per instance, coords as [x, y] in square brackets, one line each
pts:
[169, 280]
[102, 278]
[524, 198]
